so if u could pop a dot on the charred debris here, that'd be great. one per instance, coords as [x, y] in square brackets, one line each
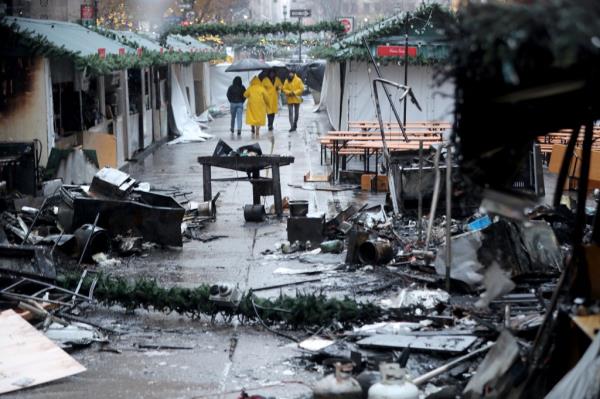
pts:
[483, 291]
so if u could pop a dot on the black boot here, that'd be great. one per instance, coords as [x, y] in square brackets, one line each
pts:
[239, 132]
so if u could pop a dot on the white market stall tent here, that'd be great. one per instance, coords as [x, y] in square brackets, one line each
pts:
[350, 97]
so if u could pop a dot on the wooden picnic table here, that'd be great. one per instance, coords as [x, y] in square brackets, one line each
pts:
[369, 144]
[375, 125]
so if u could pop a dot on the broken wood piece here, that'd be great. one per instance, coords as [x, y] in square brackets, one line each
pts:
[310, 178]
[590, 325]
[28, 357]
[432, 343]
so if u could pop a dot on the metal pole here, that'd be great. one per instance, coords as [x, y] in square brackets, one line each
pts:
[448, 215]
[387, 93]
[37, 215]
[405, 68]
[300, 40]
[420, 198]
[436, 193]
[87, 242]
[386, 153]
[434, 373]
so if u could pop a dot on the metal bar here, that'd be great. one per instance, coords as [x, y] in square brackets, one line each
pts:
[89, 238]
[448, 215]
[436, 194]
[405, 65]
[277, 191]
[583, 182]
[57, 241]
[387, 93]
[386, 152]
[420, 197]
[449, 366]
[79, 284]
[37, 215]
[565, 166]
[207, 187]
[21, 296]
[43, 283]
[271, 287]
[11, 286]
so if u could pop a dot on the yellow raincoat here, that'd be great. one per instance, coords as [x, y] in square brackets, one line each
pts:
[293, 90]
[256, 112]
[273, 92]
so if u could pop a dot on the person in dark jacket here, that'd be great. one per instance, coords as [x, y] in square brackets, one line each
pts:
[235, 95]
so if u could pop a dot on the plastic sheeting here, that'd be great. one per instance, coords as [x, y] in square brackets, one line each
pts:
[358, 101]
[583, 381]
[331, 93]
[221, 80]
[185, 122]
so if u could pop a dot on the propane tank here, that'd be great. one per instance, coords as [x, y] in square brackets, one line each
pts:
[339, 385]
[394, 385]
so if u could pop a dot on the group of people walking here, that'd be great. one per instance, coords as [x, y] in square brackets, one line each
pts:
[263, 100]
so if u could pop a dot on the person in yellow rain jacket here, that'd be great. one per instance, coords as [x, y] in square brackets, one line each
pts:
[273, 85]
[293, 89]
[256, 111]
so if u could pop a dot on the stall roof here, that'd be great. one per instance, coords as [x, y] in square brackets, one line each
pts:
[138, 38]
[74, 38]
[185, 43]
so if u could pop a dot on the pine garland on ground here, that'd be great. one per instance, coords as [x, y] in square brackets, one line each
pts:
[301, 310]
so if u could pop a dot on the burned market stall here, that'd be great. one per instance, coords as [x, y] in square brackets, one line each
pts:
[70, 107]
[520, 75]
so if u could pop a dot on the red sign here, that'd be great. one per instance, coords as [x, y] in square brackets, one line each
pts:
[87, 11]
[102, 53]
[121, 51]
[140, 51]
[348, 23]
[395, 51]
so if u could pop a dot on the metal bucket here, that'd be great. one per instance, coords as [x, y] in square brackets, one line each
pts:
[254, 213]
[373, 252]
[298, 208]
[207, 209]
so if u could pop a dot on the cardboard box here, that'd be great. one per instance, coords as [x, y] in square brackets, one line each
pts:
[382, 184]
[558, 153]
[366, 182]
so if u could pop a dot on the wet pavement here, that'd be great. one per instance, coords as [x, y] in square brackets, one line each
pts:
[224, 357]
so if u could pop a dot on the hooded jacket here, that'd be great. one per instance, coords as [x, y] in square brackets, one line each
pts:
[235, 93]
[272, 89]
[293, 90]
[256, 112]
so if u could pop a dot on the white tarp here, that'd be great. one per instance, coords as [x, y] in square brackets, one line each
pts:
[221, 80]
[185, 122]
[358, 102]
[331, 93]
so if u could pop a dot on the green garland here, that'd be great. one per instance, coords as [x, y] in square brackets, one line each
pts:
[114, 62]
[294, 312]
[361, 54]
[427, 21]
[41, 46]
[254, 29]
